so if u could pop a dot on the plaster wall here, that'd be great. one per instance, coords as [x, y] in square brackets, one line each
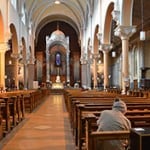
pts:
[13, 18]
[3, 10]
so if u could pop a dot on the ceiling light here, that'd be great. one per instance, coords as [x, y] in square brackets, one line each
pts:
[57, 2]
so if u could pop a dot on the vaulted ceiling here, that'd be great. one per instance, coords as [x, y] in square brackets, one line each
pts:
[71, 11]
[74, 13]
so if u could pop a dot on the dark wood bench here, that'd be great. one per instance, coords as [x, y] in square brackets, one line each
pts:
[91, 127]
[76, 102]
[138, 116]
[94, 137]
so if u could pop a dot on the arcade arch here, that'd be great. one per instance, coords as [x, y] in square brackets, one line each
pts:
[57, 38]
[14, 55]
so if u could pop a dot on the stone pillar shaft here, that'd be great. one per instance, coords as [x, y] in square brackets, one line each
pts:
[88, 75]
[125, 32]
[15, 56]
[68, 66]
[106, 48]
[106, 82]
[30, 75]
[84, 74]
[125, 59]
[95, 60]
[47, 65]
[95, 73]
[25, 76]
[2, 69]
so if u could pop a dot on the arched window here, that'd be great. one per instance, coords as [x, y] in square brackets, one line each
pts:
[58, 59]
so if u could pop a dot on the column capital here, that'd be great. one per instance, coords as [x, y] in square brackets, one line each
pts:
[47, 52]
[4, 46]
[106, 47]
[83, 58]
[96, 56]
[125, 32]
[83, 62]
[68, 51]
[31, 60]
[15, 55]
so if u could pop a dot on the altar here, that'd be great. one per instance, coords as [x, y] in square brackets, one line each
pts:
[58, 84]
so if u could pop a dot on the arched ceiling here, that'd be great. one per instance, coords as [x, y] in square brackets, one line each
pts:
[71, 11]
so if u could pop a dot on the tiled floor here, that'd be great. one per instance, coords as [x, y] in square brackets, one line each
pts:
[47, 128]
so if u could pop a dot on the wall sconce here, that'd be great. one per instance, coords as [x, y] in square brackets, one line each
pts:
[57, 2]
[113, 54]
[142, 35]
[99, 61]
[9, 62]
[5, 76]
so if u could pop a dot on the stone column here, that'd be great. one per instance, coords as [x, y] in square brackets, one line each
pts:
[16, 56]
[84, 72]
[3, 48]
[68, 65]
[31, 73]
[88, 74]
[95, 58]
[47, 65]
[125, 32]
[106, 48]
[83, 75]
[25, 76]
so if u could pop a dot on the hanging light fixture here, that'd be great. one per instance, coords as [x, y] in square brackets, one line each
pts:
[113, 54]
[57, 2]
[142, 33]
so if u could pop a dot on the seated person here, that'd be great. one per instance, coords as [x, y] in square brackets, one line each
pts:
[113, 120]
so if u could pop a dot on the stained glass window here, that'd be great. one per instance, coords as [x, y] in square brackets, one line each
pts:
[58, 59]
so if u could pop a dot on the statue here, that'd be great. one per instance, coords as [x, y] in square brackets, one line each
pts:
[58, 76]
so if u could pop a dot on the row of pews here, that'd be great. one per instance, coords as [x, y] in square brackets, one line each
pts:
[14, 106]
[84, 108]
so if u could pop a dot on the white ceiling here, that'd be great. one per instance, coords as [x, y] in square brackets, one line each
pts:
[73, 12]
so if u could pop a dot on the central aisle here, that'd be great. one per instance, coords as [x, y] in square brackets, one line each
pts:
[47, 128]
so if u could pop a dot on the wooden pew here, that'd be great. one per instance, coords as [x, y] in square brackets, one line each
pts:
[32, 98]
[5, 111]
[91, 127]
[107, 102]
[15, 106]
[88, 97]
[95, 137]
[12, 109]
[134, 116]
[76, 98]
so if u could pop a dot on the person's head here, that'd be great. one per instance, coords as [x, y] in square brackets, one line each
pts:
[120, 105]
